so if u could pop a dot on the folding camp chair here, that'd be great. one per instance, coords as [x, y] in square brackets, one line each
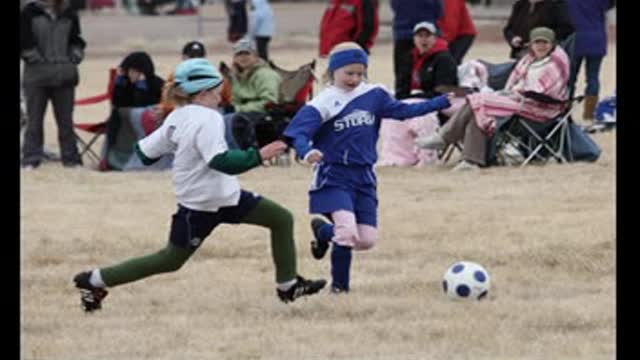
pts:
[96, 129]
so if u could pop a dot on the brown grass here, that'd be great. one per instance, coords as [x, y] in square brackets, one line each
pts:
[546, 235]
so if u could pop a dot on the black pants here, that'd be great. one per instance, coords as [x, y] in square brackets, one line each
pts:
[262, 43]
[402, 67]
[459, 47]
[62, 99]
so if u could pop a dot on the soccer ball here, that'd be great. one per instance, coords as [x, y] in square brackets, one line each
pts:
[466, 280]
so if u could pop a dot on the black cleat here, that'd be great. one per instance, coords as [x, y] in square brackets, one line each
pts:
[90, 295]
[318, 248]
[302, 287]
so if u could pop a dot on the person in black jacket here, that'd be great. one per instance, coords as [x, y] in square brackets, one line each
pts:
[529, 14]
[238, 19]
[433, 65]
[137, 84]
[51, 48]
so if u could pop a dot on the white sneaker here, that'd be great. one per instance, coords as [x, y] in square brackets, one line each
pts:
[465, 166]
[433, 142]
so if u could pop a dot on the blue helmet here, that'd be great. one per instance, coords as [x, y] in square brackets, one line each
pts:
[195, 75]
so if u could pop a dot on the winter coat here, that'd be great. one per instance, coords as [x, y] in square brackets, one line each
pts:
[455, 21]
[141, 93]
[434, 68]
[261, 19]
[255, 87]
[406, 14]
[589, 20]
[553, 14]
[51, 47]
[349, 20]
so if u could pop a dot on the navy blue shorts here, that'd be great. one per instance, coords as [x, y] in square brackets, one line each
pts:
[190, 227]
[363, 202]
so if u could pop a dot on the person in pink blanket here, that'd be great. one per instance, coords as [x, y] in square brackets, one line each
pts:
[544, 70]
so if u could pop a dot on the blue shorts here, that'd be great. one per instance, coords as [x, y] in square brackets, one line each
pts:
[363, 202]
[190, 227]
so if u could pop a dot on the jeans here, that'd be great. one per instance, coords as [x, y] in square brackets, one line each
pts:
[592, 67]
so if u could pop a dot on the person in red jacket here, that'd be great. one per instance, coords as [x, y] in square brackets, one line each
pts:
[349, 20]
[457, 28]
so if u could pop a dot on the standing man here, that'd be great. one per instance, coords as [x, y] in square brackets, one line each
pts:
[456, 27]
[52, 48]
[406, 14]
[349, 20]
[238, 19]
[589, 20]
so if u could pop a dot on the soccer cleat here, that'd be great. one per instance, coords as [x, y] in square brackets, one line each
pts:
[338, 290]
[318, 247]
[302, 287]
[90, 295]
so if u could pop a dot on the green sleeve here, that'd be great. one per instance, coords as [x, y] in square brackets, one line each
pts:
[145, 160]
[234, 162]
[266, 84]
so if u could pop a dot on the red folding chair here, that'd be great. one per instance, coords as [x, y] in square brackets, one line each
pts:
[96, 129]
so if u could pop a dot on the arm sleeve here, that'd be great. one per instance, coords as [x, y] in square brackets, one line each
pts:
[235, 161]
[267, 84]
[507, 30]
[153, 146]
[301, 129]
[399, 110]
[446, 73]
[367, 26]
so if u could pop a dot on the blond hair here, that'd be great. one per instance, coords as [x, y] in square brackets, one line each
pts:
[327, 77]
[174, 94]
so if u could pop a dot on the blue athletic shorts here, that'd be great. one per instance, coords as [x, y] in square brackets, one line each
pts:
[362, 202]
[190, 227]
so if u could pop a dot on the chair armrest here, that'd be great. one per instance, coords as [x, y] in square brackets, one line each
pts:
[546, 99]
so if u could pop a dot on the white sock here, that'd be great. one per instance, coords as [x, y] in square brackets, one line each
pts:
[287, 284]
[96, 279]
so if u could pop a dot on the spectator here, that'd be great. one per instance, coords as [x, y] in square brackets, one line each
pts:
[184, 7]
[406, 14]
[456, 27]
[544, 70]
[432, 64]
[349, 20]
[261, 26]
[137, 84]
[529, 14]
[589, 20]
[238, 23]
[51, 47]
[253, 85]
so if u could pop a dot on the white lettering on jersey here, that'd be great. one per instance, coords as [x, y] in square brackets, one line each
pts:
[356, 118]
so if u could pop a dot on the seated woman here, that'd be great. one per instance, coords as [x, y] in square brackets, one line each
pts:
[544, 70]
[136, 89]
[254, 84]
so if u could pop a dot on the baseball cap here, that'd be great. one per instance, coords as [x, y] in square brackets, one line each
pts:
[194, 49]
[542, 33]
[425, 25]
[195, 75]
[245, 44]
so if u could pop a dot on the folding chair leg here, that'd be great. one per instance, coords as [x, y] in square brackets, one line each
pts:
[86, 148]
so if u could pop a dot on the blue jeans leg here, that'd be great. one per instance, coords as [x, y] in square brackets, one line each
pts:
[593, 64]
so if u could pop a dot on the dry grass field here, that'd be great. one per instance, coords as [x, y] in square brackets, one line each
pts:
[546, 234]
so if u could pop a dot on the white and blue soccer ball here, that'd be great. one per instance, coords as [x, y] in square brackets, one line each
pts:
[466, 280]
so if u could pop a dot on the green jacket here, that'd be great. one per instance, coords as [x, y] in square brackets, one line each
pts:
[255, 87]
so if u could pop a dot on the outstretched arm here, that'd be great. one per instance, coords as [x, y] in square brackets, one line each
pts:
[399, 110]
[301, 129]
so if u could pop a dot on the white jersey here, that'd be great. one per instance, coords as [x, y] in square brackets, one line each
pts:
[194, 134]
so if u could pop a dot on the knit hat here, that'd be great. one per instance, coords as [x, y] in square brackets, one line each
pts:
[346, 53]
[244, 45]
[425, 25]
[195, 75]
[542, 33]
[194, 49]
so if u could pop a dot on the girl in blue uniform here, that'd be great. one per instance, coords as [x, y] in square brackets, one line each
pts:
[337, 132]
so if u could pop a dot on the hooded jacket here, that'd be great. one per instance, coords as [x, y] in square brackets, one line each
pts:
[50, 45]
[349, 20]
[589, 19]
[434, 68]
[253, 88]
[142, 93]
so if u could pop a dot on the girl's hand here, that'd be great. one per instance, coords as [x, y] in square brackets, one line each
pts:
[313, 156]
[272, 150]
[451, 96]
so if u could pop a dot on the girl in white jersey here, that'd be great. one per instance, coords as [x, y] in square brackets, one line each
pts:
[207, 192]
[337, 132]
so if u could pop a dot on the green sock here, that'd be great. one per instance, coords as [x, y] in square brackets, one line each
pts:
[283, 249]
[168, 259]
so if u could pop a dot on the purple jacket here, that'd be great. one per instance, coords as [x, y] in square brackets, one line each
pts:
[589, 20]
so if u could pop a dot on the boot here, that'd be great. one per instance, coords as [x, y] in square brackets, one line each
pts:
[590, 102]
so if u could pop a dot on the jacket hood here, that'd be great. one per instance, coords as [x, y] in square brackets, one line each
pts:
[439, 46]
[141, 61]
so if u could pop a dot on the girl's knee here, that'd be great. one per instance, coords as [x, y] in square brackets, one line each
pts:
[368, 236]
